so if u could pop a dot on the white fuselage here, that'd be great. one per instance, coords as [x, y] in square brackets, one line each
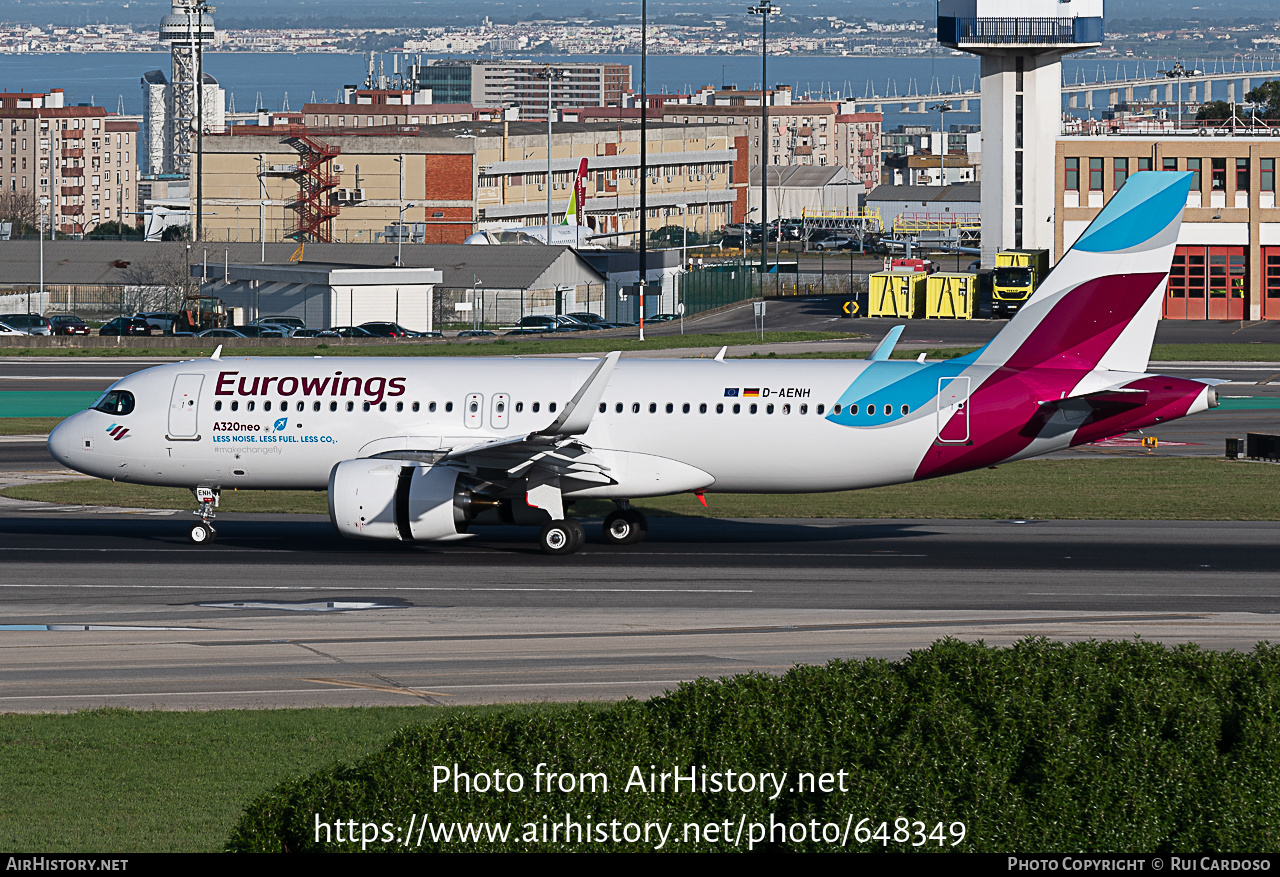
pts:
[661, 426]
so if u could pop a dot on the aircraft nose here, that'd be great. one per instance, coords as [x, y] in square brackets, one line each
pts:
[62, 441]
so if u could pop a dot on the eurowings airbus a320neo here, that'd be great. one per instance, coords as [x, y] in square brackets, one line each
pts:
[420, 449]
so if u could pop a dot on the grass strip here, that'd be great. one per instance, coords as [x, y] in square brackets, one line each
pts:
[1116, 488]
[28, 425]
[1100, 747]
[117, 780]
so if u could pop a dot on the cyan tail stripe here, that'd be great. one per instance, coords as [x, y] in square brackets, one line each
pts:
[1139, 211]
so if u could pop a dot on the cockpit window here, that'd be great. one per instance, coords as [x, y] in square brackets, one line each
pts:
[118, 402]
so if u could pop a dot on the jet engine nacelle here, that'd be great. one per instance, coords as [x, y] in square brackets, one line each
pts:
[400, 500]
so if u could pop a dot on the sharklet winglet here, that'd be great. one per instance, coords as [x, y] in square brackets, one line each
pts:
[885, 348]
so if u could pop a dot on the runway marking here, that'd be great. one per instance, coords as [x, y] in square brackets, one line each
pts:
[392, 689]
[401, 588]
[722, 631]
[1161, 594]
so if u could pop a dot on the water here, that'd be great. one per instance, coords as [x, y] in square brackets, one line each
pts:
[113, 80]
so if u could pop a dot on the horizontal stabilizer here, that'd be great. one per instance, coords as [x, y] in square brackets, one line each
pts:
[1110, 398]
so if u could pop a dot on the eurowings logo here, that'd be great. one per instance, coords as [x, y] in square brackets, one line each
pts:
[117, 432]
[281, 423]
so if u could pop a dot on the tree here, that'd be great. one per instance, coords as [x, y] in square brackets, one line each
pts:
[22, 209]
[1267, 97]
[160, 283]
[1214, 111]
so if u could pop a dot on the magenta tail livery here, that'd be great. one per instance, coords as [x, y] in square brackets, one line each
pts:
[423, 449]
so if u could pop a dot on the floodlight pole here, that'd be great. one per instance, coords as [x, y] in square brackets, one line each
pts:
[764, 10]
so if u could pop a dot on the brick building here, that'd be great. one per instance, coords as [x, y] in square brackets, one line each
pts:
[1227, 263]
[79, 158]
[458, 178]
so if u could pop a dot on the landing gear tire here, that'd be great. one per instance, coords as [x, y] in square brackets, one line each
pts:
[562, 537]
[202, 534]
[625, 527]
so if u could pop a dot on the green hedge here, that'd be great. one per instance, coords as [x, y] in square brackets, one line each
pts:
[1125, 747]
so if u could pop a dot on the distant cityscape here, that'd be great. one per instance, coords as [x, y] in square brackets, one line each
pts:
[737, 35]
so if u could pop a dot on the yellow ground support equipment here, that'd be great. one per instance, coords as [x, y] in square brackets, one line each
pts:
[951, 296]
[897, 294]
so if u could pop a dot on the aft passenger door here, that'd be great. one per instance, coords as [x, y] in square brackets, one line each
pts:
[498, 416]
[953, 410]
[184, 408]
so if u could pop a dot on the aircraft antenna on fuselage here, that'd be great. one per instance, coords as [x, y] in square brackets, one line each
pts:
[217, 352]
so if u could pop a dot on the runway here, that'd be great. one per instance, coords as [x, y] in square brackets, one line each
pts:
[113, 608]
[105, 607]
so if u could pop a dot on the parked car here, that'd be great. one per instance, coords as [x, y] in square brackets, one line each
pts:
[262, 331]
[385, 330]
[126, 326]
[833, 243]
[28, 324]
[161, 321]
[292, 322]
[6, 329]
[346, 332]
[661, 318]
[476, 333]
[68, 324]
[221, 333]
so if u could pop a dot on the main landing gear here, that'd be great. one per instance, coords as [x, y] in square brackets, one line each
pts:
[202, 532]
[626, 526]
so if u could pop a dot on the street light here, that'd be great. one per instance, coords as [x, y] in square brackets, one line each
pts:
[400, 232]
[764, 10]
[551, 76]
[942, 109]
[44, 202]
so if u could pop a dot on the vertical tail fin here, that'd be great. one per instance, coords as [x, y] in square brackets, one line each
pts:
[573, 216]
[1099, 306]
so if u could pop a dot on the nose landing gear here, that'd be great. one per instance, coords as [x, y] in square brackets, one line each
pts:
[202, 532]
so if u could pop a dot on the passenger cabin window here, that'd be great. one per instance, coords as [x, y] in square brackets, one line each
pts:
[119, 402]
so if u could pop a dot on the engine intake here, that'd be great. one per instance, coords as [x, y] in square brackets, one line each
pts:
[404, 501]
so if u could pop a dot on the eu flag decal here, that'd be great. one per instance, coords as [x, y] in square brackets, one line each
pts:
[730, 391]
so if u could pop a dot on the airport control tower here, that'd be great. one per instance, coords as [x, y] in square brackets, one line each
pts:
[1021, 43]
[188, 28]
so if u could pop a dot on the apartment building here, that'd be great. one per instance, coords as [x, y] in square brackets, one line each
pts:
[80, 159]
[524, 84]
[1227, 262]
[802, 134]
[458, 178]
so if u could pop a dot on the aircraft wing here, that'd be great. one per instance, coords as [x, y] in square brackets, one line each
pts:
[554, 451]
[522, 457]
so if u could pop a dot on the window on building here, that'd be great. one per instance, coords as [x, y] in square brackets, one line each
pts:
[1242, 174]
[1194, 165]
[1120, 173]
[1219, 169]
[1095, 175]
[1169, 164]
[1144, 164]
[1267, 174]
[1073, 175]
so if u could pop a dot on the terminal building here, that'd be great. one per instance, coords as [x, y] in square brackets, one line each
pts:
[449, 181]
